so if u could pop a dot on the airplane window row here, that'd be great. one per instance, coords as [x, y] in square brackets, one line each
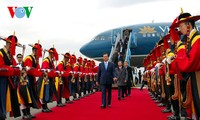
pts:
[99, 38]
[154, 35]
[102, 38]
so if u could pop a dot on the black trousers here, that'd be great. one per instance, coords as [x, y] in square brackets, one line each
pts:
[106, 88]
[53, 89]
[121, 91]
[166, 100]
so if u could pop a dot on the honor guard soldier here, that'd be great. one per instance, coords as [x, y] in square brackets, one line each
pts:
[159, 51]
[147, 68]
[47, 83]
[22, 88]
[166, 83]
[74, 80]
[63, 82]
[78, 69]
[8, 90]
[89, 76]
[69, 69]
[154, 84]
[31, 62]
[158, 73]
[85, 79]
[91, 83]
[94, 72]
[188, 59]
[77, 77]
[172, 79]
[164, 94]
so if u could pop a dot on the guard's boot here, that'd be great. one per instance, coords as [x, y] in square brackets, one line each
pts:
[2, 116]
[173, 117]
[59, 104]
[25, 115]
[29, 113]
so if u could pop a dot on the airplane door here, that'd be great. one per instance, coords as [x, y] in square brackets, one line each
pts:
[114, 34]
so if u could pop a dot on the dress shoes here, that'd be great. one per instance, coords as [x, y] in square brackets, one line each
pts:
[183, 112]
[60, 105]
[109, 106]
[153, 98]
[161, 105]
[76, 98]
[103, 106]
[46, 110]
[32, 116]
[166, 110]
[157, 101]
[49, 110]
[119, 98]
[69, 102]
[26, 117]
[172, 117]
[2, 116]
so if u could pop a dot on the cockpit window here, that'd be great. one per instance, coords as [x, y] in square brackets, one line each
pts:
[96, 38]
[100, 38]
[104, 36]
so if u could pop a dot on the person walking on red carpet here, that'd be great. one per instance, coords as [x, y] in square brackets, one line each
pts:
[129, 83]
[122, 76]
[106, 75]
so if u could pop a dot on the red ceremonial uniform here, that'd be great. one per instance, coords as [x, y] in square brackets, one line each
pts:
[47, 63]
[8, 71]
[30, 61]
[62, 68]
[189, 61]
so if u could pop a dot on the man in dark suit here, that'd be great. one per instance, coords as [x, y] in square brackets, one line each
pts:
[129, 80]
[118, 58]
[106, 75]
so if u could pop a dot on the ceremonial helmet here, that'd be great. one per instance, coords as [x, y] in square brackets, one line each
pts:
[55, 53]
[93, 62]
[80, 60]
[85, 61]
[73, 59]
[13, 40]
[67, 55]
[185, 17]
[39, 49]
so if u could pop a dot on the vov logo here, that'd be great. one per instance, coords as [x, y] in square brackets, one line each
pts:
[20, 12]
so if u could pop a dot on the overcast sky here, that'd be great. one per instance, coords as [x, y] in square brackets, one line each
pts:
[69, 24]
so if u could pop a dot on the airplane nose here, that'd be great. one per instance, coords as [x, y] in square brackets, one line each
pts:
[84, 50]
[96, 48]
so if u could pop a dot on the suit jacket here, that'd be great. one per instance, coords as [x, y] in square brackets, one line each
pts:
[130, 76]
[106, 76]
[122, 75]
[118, 58]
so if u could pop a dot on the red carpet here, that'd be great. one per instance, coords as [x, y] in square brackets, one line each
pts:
[139, 106]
